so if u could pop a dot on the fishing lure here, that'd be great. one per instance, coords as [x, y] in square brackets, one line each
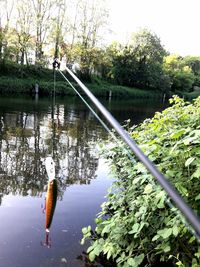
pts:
[51, 197]
[50, 203]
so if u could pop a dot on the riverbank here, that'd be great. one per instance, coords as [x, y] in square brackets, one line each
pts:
[16, 79]
[14, 85]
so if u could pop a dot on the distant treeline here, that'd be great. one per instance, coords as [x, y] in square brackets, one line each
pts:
[145, 63]
[34, 32]
[142, 63]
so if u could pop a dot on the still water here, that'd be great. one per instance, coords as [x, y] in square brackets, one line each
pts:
[30, 130]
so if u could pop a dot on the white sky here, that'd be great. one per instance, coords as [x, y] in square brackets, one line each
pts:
[176, 22]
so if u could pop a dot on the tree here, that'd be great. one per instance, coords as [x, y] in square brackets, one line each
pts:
[179, 71]
[1, 28]
[42, 11]
[148, 53]
[193, 63]
[139, 63]
[5, 16]
[183, 79]
[23, 30]
[57, 26]
[124, 66]
[91, 18]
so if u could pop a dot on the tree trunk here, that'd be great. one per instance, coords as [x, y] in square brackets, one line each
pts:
[22, 57]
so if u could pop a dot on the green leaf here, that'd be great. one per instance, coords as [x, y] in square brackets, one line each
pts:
[134, 262]
[148, 189]
[198, 253]
[131, 262]
[189, 161]
[165, 233]
[181, 189]
[175, 230]
[155, 237]
[97, 250]
[108, 255]
[82, 241]
[179, 263]
[197, 197]
[167, 249]
[106, 229]
[85, 230]
[192, 239]
[134, 228]
[196, 174]
[141, 226]
[177, 134]
[90, 248]
[91, 256]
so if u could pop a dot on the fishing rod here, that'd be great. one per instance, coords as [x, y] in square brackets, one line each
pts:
[180, 203]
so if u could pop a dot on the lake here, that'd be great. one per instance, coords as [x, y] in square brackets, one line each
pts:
[30, 130]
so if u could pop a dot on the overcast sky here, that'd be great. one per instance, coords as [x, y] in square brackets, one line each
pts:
[176, 22]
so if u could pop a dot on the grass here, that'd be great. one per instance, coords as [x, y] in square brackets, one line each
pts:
[10, 85]
[17, 79]
[188, 95]
[122, 91]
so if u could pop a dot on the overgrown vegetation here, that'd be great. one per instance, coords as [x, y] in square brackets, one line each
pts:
[137, 226]
[143, 63]
[20, 79]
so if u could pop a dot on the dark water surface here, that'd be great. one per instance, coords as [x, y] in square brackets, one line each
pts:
[30, 130]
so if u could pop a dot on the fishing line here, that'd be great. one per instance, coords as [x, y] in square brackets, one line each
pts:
[90, 108]
[186, 210]
[53, 112]
[54, 85]
[98, 118]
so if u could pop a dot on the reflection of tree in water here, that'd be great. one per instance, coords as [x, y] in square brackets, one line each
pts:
[27, 138]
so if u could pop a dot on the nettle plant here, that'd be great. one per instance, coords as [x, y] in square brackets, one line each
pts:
[138, 225]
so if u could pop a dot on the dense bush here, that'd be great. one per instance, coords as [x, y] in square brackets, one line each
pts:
[13, 70]
[183, 81]
[26, 86]
[10, 86]
[138, 225]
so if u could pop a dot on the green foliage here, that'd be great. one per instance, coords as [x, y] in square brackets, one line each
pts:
[14, 70]
[197, 81]
[25, 86]
[183, 80]
[180, 72]
[103, 89]
[21, 79]
[139, 63]
[136, 227]
[14, 86]
[193, 63]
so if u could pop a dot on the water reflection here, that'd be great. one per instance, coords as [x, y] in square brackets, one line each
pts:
[29, 131]
[28, 136]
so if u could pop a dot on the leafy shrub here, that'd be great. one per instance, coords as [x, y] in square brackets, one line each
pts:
[138, 226]
[197, 81]
[15, 86]
[26, 86]
[183, 80]
[62, 88]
